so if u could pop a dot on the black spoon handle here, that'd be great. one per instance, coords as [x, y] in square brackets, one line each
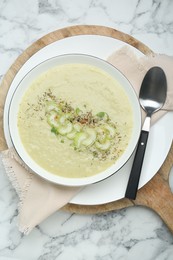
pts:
[133, 182]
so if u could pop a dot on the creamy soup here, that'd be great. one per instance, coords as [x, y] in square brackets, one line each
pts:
[75, 120]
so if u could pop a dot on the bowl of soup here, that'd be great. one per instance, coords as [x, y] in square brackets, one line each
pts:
[74, 119]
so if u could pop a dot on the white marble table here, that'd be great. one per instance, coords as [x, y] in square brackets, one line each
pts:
[133, 233]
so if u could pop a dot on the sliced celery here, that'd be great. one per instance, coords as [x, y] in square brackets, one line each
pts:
[77, 127]
[103, 146]
[52, 119]
[111, 130]
[72, 134]
[64, 118]
[65, 129]
[91, 137]
[79, 138]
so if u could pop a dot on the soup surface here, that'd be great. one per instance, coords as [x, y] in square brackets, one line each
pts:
[75, 120]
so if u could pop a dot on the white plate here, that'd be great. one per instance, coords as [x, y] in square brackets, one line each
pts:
[160, 137]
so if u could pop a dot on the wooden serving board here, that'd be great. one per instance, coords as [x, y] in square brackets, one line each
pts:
[156, 194]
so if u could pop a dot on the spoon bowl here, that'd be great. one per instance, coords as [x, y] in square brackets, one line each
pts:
[152, 96]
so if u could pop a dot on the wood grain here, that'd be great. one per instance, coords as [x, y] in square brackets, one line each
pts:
[155, 194]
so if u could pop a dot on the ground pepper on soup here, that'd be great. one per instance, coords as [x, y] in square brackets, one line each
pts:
[75, 120]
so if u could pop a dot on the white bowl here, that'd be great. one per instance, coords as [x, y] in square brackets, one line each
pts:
[43, 67]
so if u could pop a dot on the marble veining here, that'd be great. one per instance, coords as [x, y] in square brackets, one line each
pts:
[133, 233]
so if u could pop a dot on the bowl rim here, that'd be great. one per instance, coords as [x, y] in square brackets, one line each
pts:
[57, 179]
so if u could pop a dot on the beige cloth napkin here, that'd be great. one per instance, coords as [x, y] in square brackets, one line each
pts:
[39, 198]
[135, 68]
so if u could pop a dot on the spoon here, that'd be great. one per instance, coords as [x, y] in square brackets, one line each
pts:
[152, 96]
